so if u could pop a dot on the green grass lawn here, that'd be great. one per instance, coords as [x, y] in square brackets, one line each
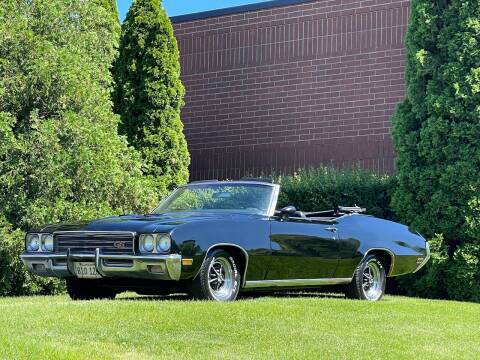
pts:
[299, 327]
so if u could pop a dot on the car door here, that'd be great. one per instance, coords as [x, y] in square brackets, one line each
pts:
[302, 249]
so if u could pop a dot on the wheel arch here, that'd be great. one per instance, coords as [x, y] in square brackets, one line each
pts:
[238, 252]
[386, 256]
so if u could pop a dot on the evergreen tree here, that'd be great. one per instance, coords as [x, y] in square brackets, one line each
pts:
[149, 93]
[437, 138]
[61, 158]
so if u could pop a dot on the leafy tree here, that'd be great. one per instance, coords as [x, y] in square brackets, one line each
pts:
[111, 7]
[149, 93]
[437, 138]
[61, 157]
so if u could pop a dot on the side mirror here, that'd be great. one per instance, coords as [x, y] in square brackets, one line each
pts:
[288, 211]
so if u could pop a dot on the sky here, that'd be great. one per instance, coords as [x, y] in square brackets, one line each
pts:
[181, 7]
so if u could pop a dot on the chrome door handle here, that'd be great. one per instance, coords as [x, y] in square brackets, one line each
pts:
[331, 229]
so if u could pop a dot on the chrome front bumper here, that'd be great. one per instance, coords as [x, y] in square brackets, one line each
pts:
[159, 267]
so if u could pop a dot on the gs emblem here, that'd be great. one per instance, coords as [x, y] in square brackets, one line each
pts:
[119, 245]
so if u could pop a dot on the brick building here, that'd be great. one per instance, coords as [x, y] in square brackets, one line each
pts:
[289, 84]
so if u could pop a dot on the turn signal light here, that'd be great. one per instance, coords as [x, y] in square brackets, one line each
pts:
[187, 262]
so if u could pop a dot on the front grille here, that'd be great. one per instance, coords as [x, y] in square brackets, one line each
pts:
[88, 242]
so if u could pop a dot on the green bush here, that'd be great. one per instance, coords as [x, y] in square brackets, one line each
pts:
[463, 280]
[325, 188]
[437, 140]
[456, 278]
[61, 158]
[14, 277]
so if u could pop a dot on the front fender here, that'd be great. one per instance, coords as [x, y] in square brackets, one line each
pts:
[252, 236]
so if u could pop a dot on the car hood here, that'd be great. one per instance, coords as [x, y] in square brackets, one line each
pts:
[141, 223]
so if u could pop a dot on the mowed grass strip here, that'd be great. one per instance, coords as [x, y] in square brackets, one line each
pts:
[299, 327]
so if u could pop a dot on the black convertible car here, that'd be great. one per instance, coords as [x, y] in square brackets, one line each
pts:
[214, 239]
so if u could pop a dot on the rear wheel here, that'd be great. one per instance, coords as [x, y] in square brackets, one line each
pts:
[218, 279]
[369, 280]
[81, 289]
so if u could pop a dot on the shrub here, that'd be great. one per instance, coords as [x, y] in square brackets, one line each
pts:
[14, 277]
[61, 158]
[325, 188]
[463, 281]
[437, 139]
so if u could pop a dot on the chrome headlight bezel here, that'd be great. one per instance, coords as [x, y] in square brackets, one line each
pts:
[47, 242]
[32, 242]
[162, 243]
[146, 243]
[39, 242]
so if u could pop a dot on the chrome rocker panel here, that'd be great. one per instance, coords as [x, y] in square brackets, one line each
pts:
[285, 283]
[140, 267]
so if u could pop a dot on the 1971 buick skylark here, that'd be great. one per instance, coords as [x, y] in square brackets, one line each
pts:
[214, 239]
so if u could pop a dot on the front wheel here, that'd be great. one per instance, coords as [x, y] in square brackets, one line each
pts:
[81, 289]
[368, 281]
[219, 278]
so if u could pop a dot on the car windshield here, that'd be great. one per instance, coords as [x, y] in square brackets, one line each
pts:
[248, 198]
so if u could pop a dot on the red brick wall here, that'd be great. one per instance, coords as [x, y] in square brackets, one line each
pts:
[294, 86]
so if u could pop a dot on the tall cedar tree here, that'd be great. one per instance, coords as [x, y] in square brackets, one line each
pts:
[61, 158]
[149, 93]
[437, 138]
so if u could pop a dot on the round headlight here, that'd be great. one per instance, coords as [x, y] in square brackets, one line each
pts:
[148, 243]
[47, 242]
[163, 243]
[33, 242]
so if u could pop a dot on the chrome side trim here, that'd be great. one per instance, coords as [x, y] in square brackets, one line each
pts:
[244, 277]
[296, 282]
[392, 255]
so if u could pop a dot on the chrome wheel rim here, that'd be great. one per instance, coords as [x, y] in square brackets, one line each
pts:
[221, 279]
[372, 281]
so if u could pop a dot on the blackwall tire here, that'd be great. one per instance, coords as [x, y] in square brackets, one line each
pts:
[219, 278]
[368, 281]
[81, 289]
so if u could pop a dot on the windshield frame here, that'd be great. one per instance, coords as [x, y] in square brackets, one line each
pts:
[273, 196]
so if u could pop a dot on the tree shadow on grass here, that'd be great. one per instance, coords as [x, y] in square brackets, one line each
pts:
[172, 297]
[242, 296]
[292, 294]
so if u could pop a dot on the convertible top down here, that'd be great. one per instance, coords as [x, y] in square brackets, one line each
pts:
[215, 239]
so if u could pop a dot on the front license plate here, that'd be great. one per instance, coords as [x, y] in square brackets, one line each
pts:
[86, 270]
